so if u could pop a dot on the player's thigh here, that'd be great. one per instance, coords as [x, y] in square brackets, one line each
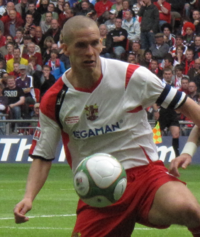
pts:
[175, 131]
[173, 204]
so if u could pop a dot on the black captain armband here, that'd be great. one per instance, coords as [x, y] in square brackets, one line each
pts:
[171, 98]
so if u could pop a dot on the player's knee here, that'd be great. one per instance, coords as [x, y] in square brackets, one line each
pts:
[190, 213]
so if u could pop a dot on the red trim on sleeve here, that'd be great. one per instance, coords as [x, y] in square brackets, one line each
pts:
[48, 103]
[65, 139]
[129, 72]
[34, 142]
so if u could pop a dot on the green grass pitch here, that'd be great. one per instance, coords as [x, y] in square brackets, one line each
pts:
[53, 213]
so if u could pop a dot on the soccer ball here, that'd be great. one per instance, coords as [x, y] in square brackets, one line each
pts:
[100, 180]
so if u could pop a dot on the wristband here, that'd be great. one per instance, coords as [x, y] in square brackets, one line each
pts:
[189, 148]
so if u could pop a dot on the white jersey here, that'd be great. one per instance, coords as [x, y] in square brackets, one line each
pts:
[110, 118]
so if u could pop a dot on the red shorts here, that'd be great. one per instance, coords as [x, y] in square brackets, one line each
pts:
[118, 220]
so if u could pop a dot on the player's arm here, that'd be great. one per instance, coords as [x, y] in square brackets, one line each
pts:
[43, 148]
[191, 110]
[37, 176]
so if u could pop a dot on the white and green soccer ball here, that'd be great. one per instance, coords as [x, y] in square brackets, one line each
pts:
[100, 180]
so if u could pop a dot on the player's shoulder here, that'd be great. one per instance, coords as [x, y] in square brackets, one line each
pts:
[49, 100]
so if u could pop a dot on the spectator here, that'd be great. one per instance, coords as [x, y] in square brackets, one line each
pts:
[32, 53]
[194, 71]
[16, 58]
[131, 58]
[192, 88]
[16, 99]
[154, 67]
[43, 80]
[179, 42]
[39, 39]
[32, 10]
[19, 36]
[117, 6]
[149, 24]
[196, 20]
[132, 26]
[188, 38]
[102, 6]
[12, 24]
[147, 58]
[48, 42]
[16, 71]
[57, 66]
[3, 49]
[196, 78]
[169, 62]
[184, 85]
[189, 60]
[125, 7]
[50, 8]
[54, 31]
[139, 53]
[63, 16]
[106, 41]
[85, 8]
[24, 47]
[160, 48]
[196, 46]
[6, 17]
[119, 37]
[22, 8]
[168, 118]
[164, 9]
[29, 23]
[178, 76]
[45, 24]
[10, 50]
[43, 4]
[169, 38]
[111, 22]
[26, 83]
[33, 66]
[60, 6]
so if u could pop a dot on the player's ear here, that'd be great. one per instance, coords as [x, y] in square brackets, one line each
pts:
[65, 49]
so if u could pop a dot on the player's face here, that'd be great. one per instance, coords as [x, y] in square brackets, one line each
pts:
[84, 49]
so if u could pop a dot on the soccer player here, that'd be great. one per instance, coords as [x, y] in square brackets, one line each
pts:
[98, 105]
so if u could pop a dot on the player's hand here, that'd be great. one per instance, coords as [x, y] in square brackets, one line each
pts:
[181, 161]
[21, 209]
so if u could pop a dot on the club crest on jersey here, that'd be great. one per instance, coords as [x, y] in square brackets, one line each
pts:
[91, 112]
[37, 134]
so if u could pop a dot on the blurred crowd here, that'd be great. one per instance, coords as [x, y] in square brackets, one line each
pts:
[162, 35]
